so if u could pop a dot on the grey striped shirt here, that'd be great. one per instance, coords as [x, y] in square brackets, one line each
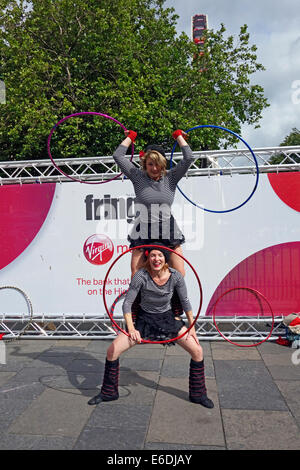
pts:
[155, 298]
[153, 198]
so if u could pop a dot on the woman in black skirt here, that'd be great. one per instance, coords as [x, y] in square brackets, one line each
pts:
[156, 282]
[154, 188]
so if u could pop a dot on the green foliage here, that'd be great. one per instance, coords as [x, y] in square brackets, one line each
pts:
[292, 139]
[122, 58]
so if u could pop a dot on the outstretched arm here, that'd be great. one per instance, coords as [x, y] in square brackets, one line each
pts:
[130, 137]
[178, 171]
[126, 166]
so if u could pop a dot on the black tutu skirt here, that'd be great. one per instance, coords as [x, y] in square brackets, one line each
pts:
[175, 238]
[168, 243]
[158, 326]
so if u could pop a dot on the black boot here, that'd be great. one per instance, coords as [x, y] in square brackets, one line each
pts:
[197, 389]
[109, 390]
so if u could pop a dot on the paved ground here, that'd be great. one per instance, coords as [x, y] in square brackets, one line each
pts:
[45, 386]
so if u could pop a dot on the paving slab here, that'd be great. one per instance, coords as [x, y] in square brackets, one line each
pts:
[176, 420]
[229, 352]
[14, 353]
[59, 350]
[122, 438]
[176, 366]
[79, 343]
[45, 361]
[31, 442]
[247, 385]
[279, 372]
[271, 347]
[5, 377]
[88, 365]
[177, 350]
[13, 365]
[16, 389]
[10, 409]
[168, 446]
[97, 345]
[179, 366]
[290, 391]
[115, 415]
[260, 430]
[138, 363]
[144, 353]
[86, 384]
[140, 386]
[31, 344]
[45, 387]
[53, 413]
[281, 359]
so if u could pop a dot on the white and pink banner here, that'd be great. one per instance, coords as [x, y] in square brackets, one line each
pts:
[59, 240]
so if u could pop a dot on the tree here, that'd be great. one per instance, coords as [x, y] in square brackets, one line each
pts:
[122, 58]
[292, 139]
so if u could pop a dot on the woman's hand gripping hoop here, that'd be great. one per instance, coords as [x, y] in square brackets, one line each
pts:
[76, 115]
[254, 157]
[172, 251]
[256, 293]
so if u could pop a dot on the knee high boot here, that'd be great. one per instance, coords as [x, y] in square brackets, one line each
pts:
[109, 390]
[197, 388]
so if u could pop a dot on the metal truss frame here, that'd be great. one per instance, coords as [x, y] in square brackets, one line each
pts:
[103, 168]
[90, 326]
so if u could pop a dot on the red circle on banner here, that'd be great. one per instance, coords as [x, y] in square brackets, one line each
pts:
[286, 186]
[255, 292]
[98, 249]
[172, 251]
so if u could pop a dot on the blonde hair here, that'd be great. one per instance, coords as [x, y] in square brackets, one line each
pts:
[157, 158]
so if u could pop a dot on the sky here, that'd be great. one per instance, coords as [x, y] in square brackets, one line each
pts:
[274, 27]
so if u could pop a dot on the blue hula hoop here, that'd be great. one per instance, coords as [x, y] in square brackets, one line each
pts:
[247, 145]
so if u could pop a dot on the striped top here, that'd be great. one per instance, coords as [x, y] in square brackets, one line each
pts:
[153, 198]
[156, 298]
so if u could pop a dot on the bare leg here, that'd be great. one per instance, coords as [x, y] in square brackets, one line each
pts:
[137, 260]
[190, 345]
[121, 344]
[176, 262]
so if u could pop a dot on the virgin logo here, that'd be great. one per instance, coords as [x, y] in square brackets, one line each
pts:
[98, 249]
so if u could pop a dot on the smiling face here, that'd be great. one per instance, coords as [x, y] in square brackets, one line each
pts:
[153, 169]
[156, 260]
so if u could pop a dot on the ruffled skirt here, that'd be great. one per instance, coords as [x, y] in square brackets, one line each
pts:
[175, 236]
[158, 326]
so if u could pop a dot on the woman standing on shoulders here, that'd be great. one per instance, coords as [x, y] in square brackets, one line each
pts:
[155, 188]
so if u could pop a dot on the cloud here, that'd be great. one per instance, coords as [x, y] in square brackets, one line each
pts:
[274, 28]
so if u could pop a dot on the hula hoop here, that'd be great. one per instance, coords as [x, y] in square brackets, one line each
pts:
[172, 251]
[255, 292]
[30, 310]
[75, 115]
[254, 157]
[112, 308]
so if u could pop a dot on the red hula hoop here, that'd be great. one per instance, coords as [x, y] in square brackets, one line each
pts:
[76, 115]
[112, 308]
[172, 251]
[253, 291]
